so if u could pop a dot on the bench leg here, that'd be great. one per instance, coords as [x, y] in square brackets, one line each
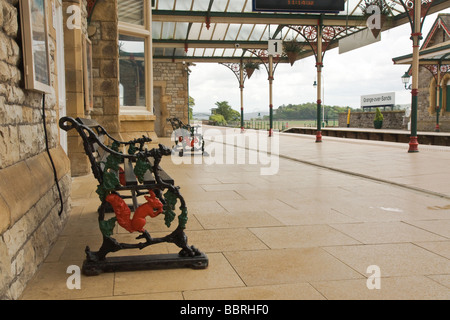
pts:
[144, 262]
[179, 238]
[188, 257]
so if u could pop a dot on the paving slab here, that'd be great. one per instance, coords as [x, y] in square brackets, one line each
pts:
[304, 221]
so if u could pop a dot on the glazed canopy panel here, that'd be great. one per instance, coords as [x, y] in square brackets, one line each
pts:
[219, 30]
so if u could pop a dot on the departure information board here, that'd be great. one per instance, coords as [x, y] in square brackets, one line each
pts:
[320, 6]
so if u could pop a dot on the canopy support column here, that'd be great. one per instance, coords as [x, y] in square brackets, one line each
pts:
[270, 95]
[416, 36]
[241, 87]
[319, 66]
[438, 97]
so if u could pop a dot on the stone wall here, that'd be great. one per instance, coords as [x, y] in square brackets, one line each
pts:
[103, 33]
[170, 95]
[391, 119]
[29, 200]
[75, 99]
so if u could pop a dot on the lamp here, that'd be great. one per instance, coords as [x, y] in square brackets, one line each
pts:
[405, 80]
[323, 106]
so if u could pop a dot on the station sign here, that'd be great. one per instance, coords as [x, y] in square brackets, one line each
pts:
[319, 6]
[376, 100]
[275, 47]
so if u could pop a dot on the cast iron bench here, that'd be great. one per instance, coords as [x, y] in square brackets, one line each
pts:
[130, 174]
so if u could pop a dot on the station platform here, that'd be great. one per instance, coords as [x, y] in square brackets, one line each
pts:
[343, 219]
[391, 135]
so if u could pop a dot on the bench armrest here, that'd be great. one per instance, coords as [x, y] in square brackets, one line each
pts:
[90, 137]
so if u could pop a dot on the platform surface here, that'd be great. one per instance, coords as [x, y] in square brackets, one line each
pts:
[390, 135]
[333, 215]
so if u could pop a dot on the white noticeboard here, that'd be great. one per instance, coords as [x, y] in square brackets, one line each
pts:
[275, 47]
[380, 99]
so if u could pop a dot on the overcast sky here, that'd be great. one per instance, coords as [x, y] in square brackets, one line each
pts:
[347, 76]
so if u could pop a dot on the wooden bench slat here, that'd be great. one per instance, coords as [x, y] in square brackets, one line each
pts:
[149, 178]
[88, 122]
[130, 178]
[165, 177]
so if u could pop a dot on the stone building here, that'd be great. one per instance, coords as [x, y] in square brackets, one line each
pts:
[434, 77]
[91, 44]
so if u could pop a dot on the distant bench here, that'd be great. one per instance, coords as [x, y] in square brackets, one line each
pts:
[129, 174]
[186, 137]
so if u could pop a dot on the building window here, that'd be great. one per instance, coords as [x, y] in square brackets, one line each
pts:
[134, 54]
[132, 70]
[446, 96]
[132, 11]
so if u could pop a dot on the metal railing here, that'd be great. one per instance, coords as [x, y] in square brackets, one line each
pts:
[286, 124]
[280, 125]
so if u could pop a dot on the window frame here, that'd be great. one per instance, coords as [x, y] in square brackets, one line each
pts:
[445, 94]
[144, 32]
[444, 98]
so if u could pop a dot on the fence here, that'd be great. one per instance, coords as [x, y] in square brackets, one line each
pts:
[286, 124]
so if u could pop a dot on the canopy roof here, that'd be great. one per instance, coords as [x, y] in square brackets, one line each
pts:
[228, 30]
[434, 55]
[431, 53]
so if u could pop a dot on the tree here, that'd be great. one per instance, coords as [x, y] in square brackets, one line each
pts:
[191, 107]
[218, 119]
[305, 111]
[227, 111]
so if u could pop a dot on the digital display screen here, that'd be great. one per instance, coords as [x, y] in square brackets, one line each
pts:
[325, 6]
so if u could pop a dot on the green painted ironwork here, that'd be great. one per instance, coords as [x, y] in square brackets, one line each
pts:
[169, 207]
[182, 218]
[107, 226]
[110, 179]
[141, 167]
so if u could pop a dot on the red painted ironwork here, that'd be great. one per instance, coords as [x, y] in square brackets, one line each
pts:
[413, 144]
[426, 4]
[310, 34]
[152, 208]
[319, 136]
[263, 55]
[445, 68]
[235, 68]
[208, 22]
[90, 7]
